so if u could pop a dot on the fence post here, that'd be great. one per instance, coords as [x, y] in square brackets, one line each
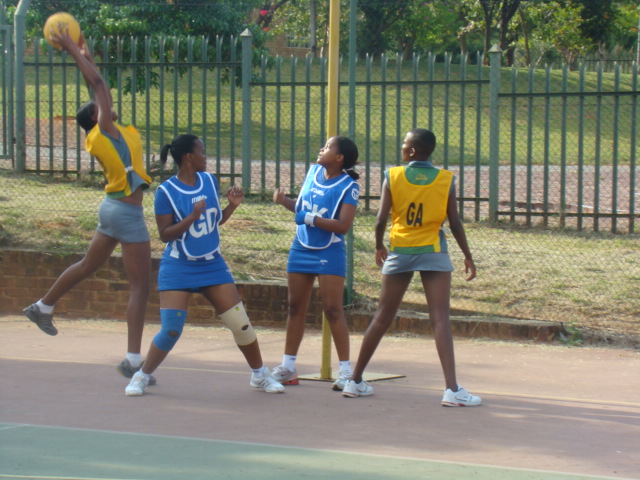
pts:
[20, 96]
[246, 109]
[352, 134]
[494, 132]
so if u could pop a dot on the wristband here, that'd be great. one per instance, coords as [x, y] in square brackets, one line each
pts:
[310, 219]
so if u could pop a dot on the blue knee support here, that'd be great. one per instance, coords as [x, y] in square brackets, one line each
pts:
[172, 324]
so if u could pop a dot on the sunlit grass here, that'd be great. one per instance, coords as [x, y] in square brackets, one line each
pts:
[589, 280]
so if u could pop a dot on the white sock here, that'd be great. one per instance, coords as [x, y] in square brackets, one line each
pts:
[135, 359]
[345, 366]
[258, 372]
[289, 362]
[44, 308]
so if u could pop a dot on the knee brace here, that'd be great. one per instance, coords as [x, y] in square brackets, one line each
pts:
[237, 321]
[172, 324]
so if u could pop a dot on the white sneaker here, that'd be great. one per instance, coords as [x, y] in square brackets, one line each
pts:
[138, 383]
[343, 377]
[282, 374]
[127, 370]
[353, 389]
[461, 398]
[266, 382]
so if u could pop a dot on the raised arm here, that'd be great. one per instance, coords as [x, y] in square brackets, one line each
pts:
[86, 52]
[93, 78]
[282, 199]
[235, 195]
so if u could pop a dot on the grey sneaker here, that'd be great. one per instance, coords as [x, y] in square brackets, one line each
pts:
[353, 389]
[343, 377]
[44, 321]
[282, 374]
[137, 385]
[266, 382]
[461, 398]
[127, 370]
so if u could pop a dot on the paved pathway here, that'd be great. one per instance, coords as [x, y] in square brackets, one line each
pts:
[550, 412]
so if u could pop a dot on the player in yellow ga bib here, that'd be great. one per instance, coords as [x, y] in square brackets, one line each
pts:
[419, 198]
[418, 209]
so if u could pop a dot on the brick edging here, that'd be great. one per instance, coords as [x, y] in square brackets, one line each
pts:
[27, 275]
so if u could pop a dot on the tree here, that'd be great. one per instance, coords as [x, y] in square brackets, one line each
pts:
[508, 36]
[623, 31]
[552, 26]
[490, 8]
[267, 12]
[100, 18]
[152, 18]
[597, 17]
[429, 26]
[377, 18]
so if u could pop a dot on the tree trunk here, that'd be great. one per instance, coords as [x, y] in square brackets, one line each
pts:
[313, 39]
[527, 48]
[464, 47]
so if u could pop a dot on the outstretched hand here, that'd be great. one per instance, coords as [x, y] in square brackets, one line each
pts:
[278, 196]
[235, 195]
[62, 38]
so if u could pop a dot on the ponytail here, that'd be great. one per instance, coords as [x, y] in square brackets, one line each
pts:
[349, 151]
[164, 153]
[181, 145]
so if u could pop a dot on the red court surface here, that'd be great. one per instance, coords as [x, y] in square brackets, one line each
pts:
[550, 411]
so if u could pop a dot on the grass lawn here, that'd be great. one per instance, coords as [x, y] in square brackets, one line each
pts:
[588, 281]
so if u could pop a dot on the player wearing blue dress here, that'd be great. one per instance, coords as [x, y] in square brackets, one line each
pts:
[193, 260]
[324, 212]
[188, 215]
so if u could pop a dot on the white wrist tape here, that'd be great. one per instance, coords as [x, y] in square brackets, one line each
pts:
[310, 219]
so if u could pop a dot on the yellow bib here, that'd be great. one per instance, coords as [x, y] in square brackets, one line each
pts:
[101, 147]
[417, 211]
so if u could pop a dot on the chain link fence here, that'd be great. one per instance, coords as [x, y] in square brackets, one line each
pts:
[564, 246]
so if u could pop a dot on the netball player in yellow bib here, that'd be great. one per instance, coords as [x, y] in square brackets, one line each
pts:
[120, 217]
[420, 198]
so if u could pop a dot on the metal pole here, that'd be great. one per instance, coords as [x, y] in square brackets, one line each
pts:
[21, 125]
[494, 133]
[352, 134]
[332, 130]
[246, 110]
[638, 42]
[333, 59]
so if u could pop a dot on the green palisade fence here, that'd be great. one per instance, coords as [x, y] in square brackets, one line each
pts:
[545, 159]
[566, 139]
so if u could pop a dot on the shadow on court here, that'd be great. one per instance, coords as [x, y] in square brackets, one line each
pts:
[550, 412]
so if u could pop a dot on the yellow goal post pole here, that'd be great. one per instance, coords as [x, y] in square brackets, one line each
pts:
[332, 130]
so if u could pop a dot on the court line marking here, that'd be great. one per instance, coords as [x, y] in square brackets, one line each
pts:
[311, 450]
[396, 385]
[47, 477]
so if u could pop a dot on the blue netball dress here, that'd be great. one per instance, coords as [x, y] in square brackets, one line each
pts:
[192, 261]
[315, 250]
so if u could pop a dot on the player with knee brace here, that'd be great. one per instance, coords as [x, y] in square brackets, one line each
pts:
[188, 214]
